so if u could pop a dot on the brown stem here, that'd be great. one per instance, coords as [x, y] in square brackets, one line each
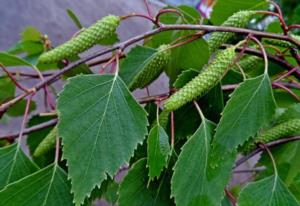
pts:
[263, 51]
[230, 197]
[280, 16]
[295, 26]
[25, 118]
[276, 84]
[30, 130]
[163, 11]
[13, 79]
[148, 7]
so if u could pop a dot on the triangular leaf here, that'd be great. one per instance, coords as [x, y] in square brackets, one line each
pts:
[47, 187]
[14, 165]
[31, 34]
[193, 182]
[100, 124]
[133, 190]
[250, 107]
[267, 192]
[158, 151]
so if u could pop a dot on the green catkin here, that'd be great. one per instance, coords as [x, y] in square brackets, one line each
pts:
[285, 129]
[102, 29]
[280, 43]
[239, 19]
[202, 83]
[153, 69]
[47, 144]
[247, 63]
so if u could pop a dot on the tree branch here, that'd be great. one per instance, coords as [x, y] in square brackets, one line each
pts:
[30, 130]
[122, 46]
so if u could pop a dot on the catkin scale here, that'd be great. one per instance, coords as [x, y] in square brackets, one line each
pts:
[102, 29]
[284, 129]
[280, 43]
[47, 144]
[202, 83]
[247, 63]
[239, 19]
[153, 69]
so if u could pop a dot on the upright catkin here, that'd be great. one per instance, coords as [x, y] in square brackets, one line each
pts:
[201, 84]
[102, 29]
[285, 129]
[153, 69]
[239, 19]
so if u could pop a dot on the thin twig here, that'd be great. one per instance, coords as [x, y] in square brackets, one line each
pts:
[263, 52]
[13, 79]
[270, 145]
[25, 118]
[148, 7]
[276, 84]
[287, 74]
[30, 130]
[125, 44]
[230, 197]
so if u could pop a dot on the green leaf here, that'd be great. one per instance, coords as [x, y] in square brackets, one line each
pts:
[14, 165]
[18, 109]
[8, 59]
[7, 89]
[193, 55]
[250, 107]
[133, 190]
[136, 60]
[100, 119]
[225, 8]
[80, 69]
[47, 187]
[186, 128]
[158, 151]
[74, 18]
[265, 192]
[193, 181]
[32, 47]
[31, 34]
[114, 38]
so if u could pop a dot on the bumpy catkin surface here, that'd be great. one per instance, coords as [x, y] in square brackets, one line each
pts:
[284, 129]
[239, 19]
[202, 83]
[102, 29]
[153, 69]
